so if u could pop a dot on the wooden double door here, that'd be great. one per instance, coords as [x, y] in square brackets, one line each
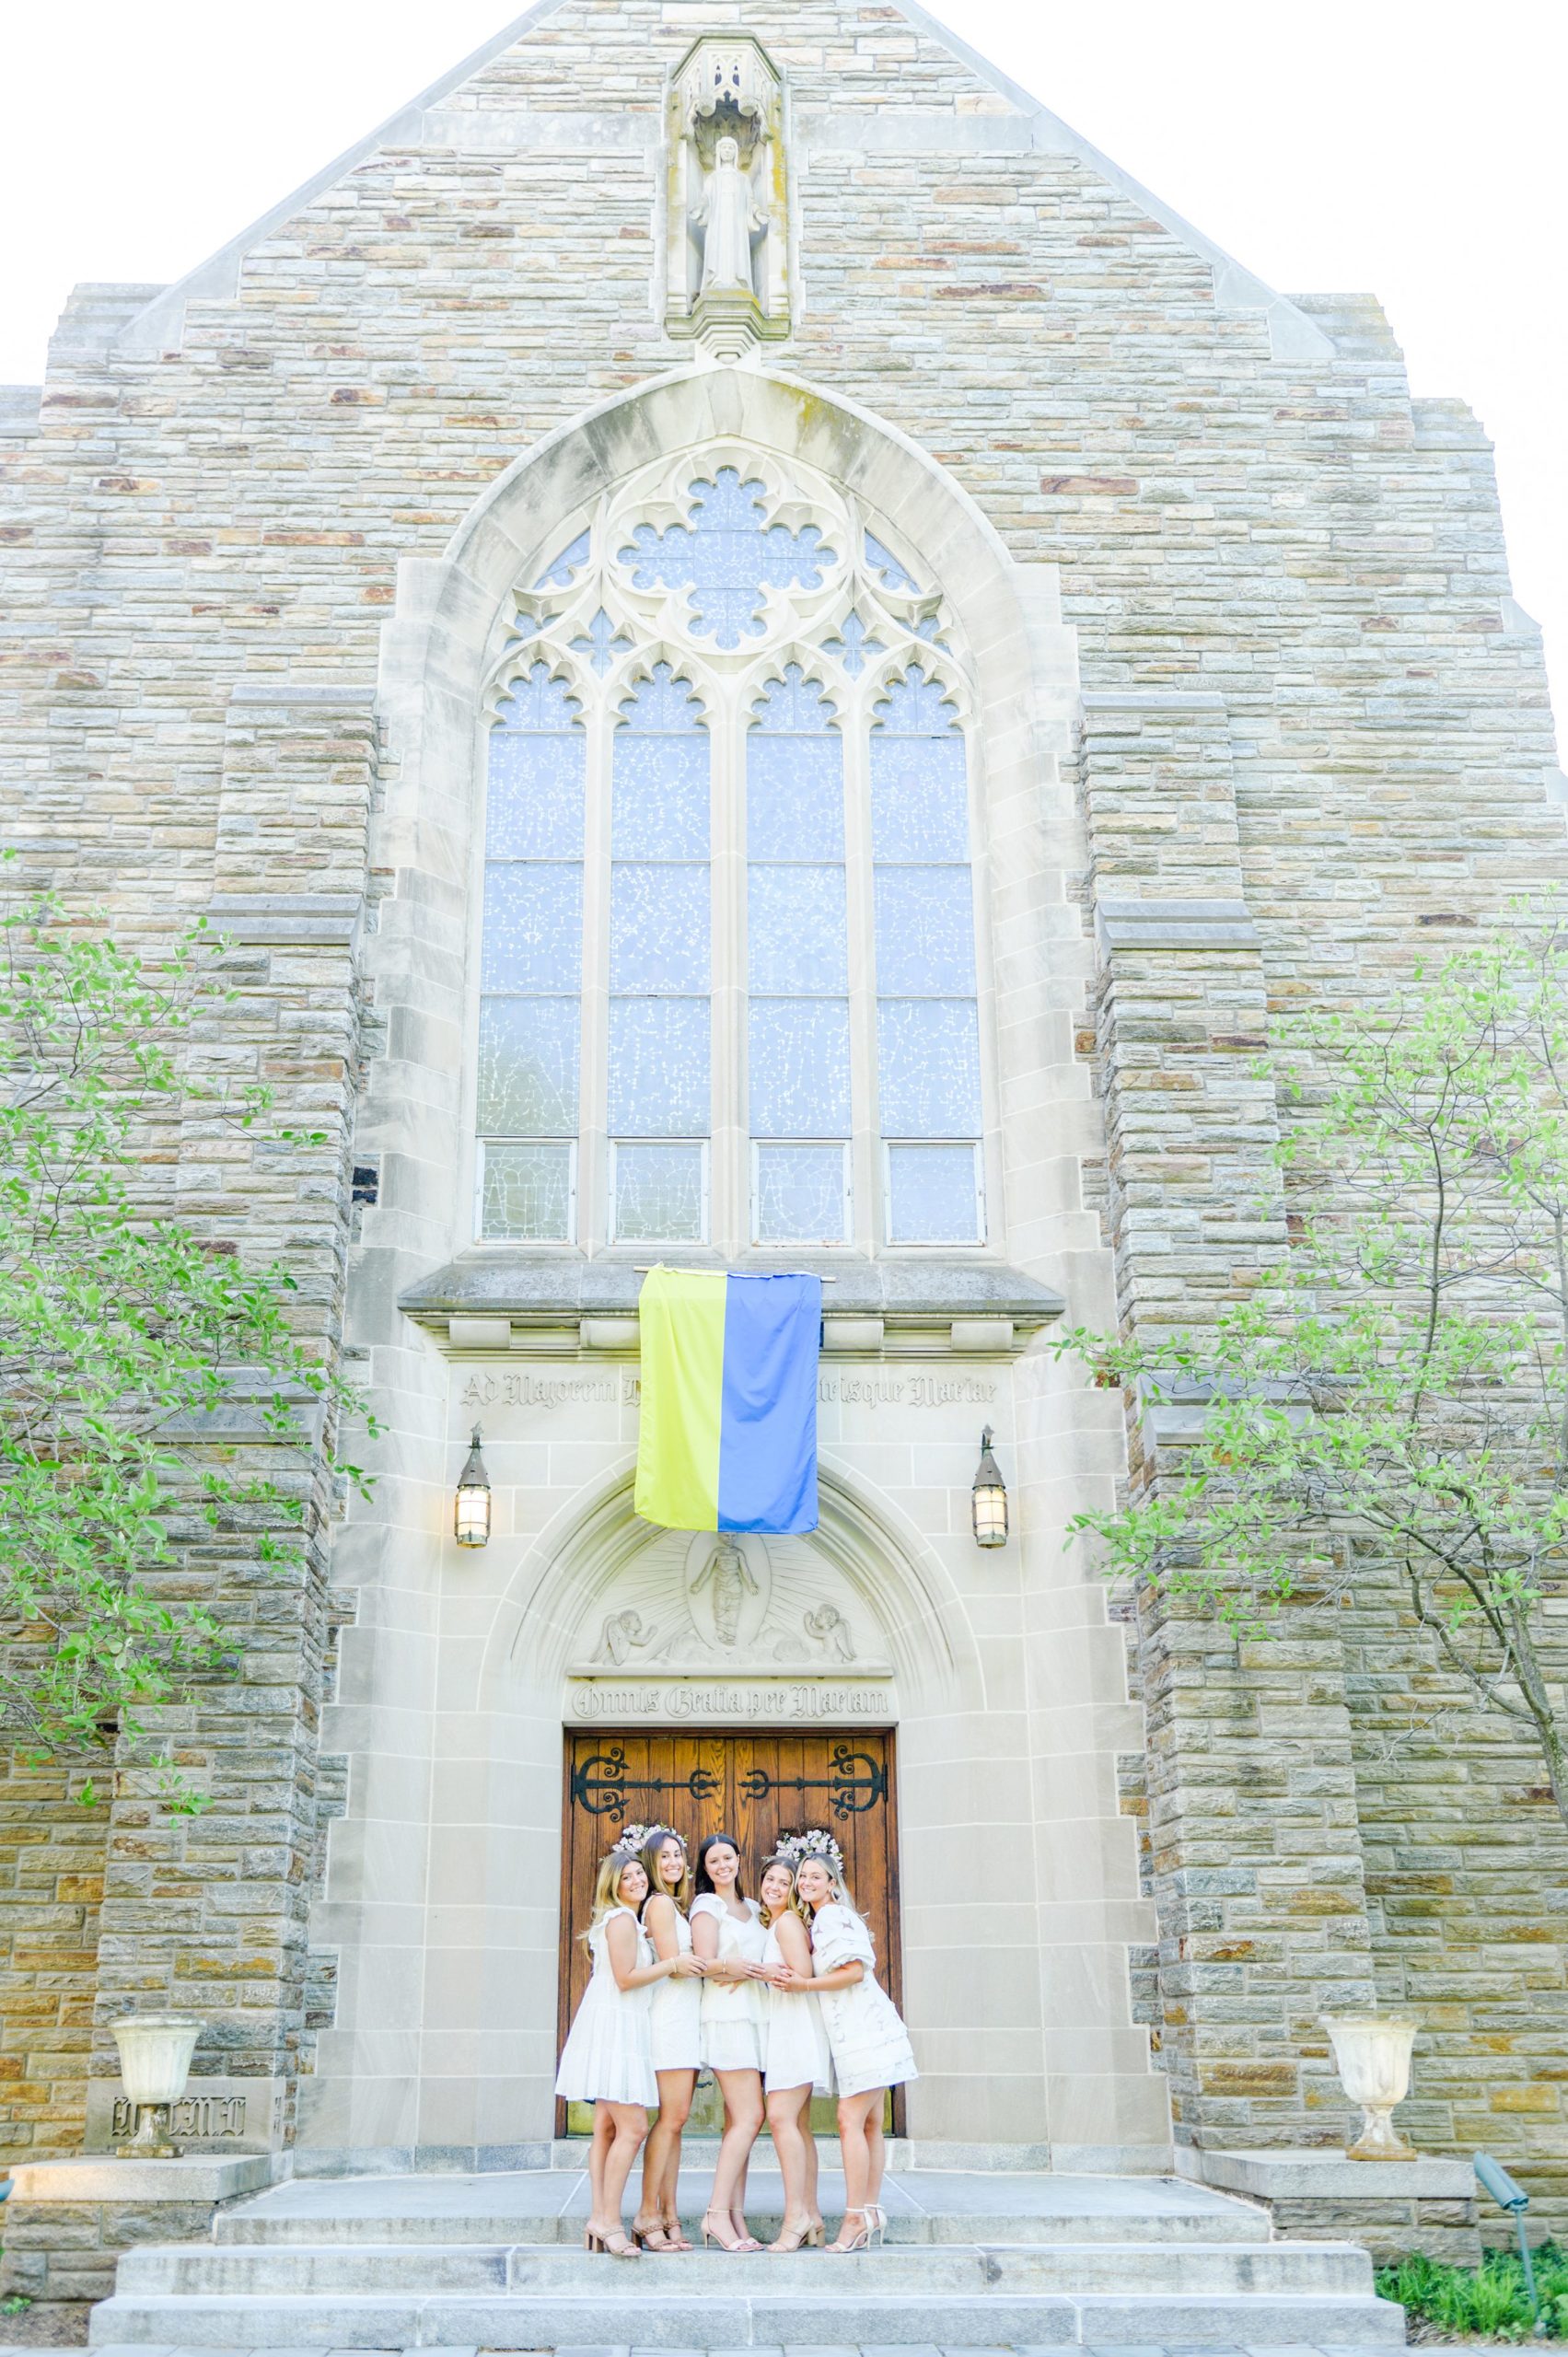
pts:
[755, 1785]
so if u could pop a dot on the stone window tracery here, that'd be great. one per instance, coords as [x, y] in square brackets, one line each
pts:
[728, 981]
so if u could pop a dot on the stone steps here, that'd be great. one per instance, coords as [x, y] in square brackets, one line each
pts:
[973, 2261]
[978, 2271]
[1243, 2224]
[630, 2319]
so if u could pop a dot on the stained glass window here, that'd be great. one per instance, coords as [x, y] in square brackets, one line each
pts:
[798, 965]
[927, 1016]
[531, 967]
[634, 672]
[660, 965]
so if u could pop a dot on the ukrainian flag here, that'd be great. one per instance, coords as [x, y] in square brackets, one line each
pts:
[728, 1433]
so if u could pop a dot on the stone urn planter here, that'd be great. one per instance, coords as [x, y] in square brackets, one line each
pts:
[155, 2062]
[1372, 2054]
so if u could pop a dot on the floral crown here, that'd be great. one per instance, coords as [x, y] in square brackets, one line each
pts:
[815, 1843]
[637, 1837]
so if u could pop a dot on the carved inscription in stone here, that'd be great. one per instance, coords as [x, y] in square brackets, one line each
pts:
[724, 1700]
[624, 1387]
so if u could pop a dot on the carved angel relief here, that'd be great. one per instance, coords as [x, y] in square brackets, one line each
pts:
[727, 263]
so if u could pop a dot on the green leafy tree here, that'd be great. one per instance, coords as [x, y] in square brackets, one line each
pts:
[1398, 1391]
[125, 1340]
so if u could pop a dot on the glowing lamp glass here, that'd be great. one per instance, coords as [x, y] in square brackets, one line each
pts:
[989, 1502]
[470, 1520]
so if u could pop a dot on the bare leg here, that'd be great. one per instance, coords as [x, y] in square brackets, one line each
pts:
[603, 2137]
[876, 2150]
[661, 2156]
[813, 2204]
[785, 2108]
[742, 2093]
[629, 2124]
[853, 2114]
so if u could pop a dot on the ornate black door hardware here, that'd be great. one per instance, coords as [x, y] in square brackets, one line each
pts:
[855, 1782]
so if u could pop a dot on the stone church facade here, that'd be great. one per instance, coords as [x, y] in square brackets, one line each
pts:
[437, 591]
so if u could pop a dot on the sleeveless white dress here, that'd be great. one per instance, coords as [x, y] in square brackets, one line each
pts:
[794, 2044]
[608, 2055]
[675, 2017]
[869, 2043]
[732, 2017]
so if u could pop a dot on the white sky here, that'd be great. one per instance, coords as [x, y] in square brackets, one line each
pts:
[1413, 147]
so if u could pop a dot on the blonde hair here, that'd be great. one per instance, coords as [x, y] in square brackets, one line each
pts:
[836, 1883]
[607, 1886]
[648, 1857]
[794, 1904]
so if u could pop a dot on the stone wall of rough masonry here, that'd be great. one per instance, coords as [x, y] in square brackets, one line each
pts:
[1467, 1878]
[52, 1851]
[201, 545]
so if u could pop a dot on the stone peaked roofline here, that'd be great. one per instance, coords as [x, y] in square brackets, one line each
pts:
[159, 325]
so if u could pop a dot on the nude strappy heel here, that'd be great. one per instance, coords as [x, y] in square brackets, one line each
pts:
[609, 2245]
[859, 2240]
[710, 2232]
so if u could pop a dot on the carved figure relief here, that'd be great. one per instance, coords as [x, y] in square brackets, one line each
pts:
[623, 1634]
[726, 261]
[731, 1582]
[829, 1631]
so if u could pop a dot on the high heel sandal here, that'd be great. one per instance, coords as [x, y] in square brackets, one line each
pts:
[614, 2245]
[710, 2232]
[875, 2219]
[654, 2237]
[677, 2240]
[794, 2238]
[859, 2240]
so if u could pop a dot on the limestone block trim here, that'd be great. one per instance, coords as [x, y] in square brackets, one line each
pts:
[296, 917]
[1181, 925]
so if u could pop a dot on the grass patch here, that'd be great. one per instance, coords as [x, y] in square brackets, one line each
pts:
[1488, 2299]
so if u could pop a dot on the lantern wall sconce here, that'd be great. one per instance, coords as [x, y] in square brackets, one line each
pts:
[989, 1502]
[471, 1520]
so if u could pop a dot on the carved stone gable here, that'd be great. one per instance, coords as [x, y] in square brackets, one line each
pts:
[727, 279]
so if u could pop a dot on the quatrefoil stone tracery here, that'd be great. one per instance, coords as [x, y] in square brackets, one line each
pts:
[725, 556]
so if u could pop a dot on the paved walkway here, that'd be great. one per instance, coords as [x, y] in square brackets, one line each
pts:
[1327, 2349]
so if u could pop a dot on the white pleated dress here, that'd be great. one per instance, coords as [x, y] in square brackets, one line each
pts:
[675, 2017]
[869, 2043]
[607, 2055]
[795, 2053]
[732, 2015]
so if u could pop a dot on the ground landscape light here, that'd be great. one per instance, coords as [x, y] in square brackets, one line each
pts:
[471, 1517]
[990, 1500]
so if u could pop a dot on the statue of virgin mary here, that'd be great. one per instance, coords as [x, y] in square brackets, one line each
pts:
[728, 217]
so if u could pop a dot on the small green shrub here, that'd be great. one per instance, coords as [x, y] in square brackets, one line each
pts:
[1488, 2299]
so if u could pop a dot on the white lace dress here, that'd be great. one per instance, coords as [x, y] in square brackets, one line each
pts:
[675, 2015]
[869, 2043]
[794, 2044]
[732, 2013]
[608, 2055]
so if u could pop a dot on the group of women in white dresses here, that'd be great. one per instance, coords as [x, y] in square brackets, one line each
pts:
[776, 1996]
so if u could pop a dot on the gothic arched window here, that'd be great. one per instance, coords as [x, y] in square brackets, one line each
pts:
[728, 988]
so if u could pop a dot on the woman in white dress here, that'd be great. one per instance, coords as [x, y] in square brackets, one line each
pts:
[868, 2041]
[608, 2058]
[796, 2062]
[676, 2023]
[729, 1941]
